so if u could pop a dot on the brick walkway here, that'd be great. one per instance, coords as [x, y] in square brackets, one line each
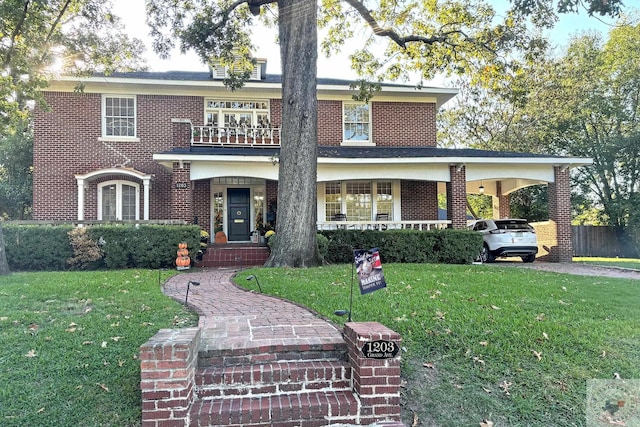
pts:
[231, 317]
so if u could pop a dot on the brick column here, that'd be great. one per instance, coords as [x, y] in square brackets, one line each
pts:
[181, 133]
[376, 381]
[501, 208]
[168, 362]
[182, 192]
[560, 214]
[457, 196]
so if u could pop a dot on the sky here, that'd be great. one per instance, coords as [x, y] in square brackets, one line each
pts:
[132, 13]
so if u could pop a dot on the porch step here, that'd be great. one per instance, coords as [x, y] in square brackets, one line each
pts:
[234, 255]
[272, 379]
[304, 409]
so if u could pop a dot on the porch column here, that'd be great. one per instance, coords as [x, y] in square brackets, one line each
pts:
[457, 196]
[80, 183]
[560, 215]
[501, 208]
[181, 192]
[146, 184]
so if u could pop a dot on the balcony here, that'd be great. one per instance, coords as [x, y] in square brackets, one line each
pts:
[383, 225]
[235, 136]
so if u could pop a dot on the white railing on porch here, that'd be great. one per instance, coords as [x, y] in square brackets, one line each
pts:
[244, 136]
[383, 225]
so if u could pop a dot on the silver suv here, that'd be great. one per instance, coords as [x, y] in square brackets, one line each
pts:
[505, 238]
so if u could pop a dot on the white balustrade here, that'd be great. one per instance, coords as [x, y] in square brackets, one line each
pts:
[235, 136]
[382, 225]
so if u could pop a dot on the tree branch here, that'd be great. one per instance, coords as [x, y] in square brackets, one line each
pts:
[14, 35]
[54, 26]
[400, 40]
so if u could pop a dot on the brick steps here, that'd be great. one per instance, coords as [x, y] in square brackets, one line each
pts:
[234, 255]
[305, 409]
[272, 378]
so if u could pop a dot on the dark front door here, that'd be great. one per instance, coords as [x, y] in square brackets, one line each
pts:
[239, 210]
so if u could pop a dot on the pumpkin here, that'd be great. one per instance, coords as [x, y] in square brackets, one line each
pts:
[183, 252]
[182, 245]
[183, 261]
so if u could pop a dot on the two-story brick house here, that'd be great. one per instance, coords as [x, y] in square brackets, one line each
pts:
[179, 145]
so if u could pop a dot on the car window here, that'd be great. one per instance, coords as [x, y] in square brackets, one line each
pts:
[513, 225]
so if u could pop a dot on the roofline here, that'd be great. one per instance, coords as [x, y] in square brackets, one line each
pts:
[104, 84]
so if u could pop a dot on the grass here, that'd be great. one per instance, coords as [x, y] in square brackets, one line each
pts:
[70, 345]
[629, 263]
[514, 346]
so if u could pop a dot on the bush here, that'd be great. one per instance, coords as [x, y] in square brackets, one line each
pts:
[46, 247]
[37, 247]
[447, 246]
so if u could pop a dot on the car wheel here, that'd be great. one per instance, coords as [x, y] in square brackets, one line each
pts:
[485, 255]
[528, 258]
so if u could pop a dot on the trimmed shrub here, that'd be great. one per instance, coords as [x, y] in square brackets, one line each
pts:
[47, 247]
[37, 247]
[446, 246]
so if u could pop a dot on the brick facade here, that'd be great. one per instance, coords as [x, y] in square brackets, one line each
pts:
[560, 213]
[419, 200]
[457, 197]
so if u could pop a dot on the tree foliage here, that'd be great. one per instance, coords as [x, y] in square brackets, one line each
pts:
[421, 37]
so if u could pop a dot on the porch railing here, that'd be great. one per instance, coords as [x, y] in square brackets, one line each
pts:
[244, 136]
[383, 225]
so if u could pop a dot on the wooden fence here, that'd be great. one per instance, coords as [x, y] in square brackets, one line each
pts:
[601, 241]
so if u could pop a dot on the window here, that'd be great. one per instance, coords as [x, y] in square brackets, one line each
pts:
[359, 200]
[118, 200]
[237, 115]
[356, 122]
[119, 116]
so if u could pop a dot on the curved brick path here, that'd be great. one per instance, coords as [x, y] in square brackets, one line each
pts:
[231, 317]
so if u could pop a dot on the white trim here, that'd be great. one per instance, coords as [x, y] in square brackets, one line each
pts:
[119, 184]
[103, 133]
[356, 142]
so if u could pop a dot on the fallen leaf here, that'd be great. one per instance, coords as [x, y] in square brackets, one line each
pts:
[546, 337]
[73, 324]
[603, 354]
[487, 390]
[71, 330]
[540, 317]
[483, 343]
[3, 318]
[486, 423]
[563, 303]
[87, 342]
[121, 363]
[79, 387]
[478, 360]
[458, 386]
[440, 315]
[33, 326]
[505, 387]
[116, 339]
[416, 421]
[616, 376]
[428, 365]
[104, 344]
[41, 410]
[495, 307]
[564, 288]
[102, 386]
[538, 355]
[31, 353]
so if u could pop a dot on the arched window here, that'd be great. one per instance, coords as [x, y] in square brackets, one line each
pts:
[118, 200]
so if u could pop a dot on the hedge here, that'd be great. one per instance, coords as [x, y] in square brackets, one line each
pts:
[442, 246]
[48, 247]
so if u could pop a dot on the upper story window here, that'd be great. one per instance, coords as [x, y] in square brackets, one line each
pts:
[356, 120]
[237, 114]
[119, 116]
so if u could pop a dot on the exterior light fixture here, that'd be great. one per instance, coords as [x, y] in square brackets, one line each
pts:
[481, 188]
[252, 277]
[188, 285]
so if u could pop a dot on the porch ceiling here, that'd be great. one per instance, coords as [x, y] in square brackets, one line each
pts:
[514, 170]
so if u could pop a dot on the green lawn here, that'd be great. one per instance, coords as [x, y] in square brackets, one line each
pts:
[514, 346]
[630, 263]
[70, 345]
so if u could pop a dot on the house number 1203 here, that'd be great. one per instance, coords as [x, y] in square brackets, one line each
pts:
[380, 349]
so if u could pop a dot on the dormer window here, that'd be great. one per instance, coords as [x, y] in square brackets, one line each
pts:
[220, 71]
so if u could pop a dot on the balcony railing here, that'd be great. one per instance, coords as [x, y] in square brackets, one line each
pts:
[382, 225]
[244, 136]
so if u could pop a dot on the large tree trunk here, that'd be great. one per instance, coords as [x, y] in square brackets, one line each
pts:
[4, 266]
[296, 244]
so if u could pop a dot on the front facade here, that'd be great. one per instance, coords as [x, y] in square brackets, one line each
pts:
[156, 146]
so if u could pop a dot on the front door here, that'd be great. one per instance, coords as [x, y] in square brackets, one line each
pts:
[239, 210]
